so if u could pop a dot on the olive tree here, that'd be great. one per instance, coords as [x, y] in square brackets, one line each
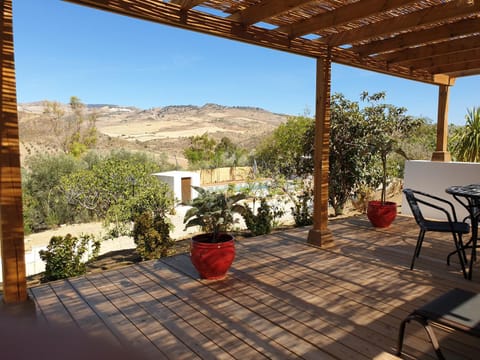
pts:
[387, 125]
[284, 150]
[75, 131]
[349, 157]
[44, 204]
[118, 189]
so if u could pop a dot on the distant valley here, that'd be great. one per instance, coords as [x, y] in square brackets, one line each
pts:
[156, 130]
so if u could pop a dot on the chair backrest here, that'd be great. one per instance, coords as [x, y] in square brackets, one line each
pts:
[412, 202]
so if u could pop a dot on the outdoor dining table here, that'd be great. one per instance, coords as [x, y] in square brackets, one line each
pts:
[469, 197]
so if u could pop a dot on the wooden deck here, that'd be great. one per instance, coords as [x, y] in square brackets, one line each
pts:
[282, 299]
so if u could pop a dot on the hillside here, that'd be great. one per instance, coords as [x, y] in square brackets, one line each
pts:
[156, 130]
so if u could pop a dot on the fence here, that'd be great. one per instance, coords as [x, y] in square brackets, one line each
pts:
[226, 174]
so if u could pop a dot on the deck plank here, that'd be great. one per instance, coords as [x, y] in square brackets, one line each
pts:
[102, 300]
[83, 315]
[225, 312]
[164, 308]
[281, 299]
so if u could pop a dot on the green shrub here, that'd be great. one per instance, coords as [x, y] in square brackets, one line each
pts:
[44, 201]
[213, 211]
[261, 222]
[151, 233]
[302, 208]
[65, 255]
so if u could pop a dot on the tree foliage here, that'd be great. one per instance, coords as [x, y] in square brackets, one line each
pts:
[66, 256]
[388, 125]
[75, 131]
[349, 152]
[213, 211]
[283, 152]
[205, 152]
[201, 150]
[151, 233]
[466, 141]
[117, 188]
[43, 201]
[360, 139]
[62, 189]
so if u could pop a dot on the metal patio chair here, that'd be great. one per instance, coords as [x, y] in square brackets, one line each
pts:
[457, 309]
[451, 224]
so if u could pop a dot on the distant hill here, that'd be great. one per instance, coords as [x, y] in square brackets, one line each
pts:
[156, 130]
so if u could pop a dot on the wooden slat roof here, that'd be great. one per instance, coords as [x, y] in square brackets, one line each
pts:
[433, 41]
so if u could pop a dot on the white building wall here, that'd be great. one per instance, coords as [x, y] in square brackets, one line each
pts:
[174, 180]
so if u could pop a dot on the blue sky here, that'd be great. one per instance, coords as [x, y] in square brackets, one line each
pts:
[64, 49]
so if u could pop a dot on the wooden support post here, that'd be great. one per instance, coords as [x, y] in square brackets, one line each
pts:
[319, 234]
[441, 153]
[11, 218]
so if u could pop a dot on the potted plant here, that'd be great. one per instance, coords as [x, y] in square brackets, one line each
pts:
[213, 251]
[388, 125]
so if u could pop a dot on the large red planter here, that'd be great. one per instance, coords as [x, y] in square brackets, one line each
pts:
[212, 260]
[381, 216]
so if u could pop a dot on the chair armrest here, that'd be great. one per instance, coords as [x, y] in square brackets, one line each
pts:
[452, 208]
[439, 208]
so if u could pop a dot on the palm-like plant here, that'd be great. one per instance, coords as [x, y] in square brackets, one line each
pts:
[213, 211]
[467, 140]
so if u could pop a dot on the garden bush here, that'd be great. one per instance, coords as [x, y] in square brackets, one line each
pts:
[66, 256]
[151, 233]
[261, 222]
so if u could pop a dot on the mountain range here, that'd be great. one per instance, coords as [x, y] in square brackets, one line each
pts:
[156, 130]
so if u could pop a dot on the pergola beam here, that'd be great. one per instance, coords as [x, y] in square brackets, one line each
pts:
[469, 72]
[342, 15]
[351, 59]
[172, 14]
[264, 10]
[445, 60]
[439, 33]
[423, 17]
[187, 4]
[11, 213]
[470, 65]
[437, 49]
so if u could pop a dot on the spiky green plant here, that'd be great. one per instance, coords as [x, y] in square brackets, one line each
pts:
[213, 211]
[467, 140]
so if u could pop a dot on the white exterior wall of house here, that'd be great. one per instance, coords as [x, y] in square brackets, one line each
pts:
[174, 180]
[434, 177]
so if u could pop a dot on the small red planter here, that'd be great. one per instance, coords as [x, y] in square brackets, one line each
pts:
[381, 216]
[212, 260]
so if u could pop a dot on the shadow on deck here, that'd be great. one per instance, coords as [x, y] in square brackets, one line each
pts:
[282, 299]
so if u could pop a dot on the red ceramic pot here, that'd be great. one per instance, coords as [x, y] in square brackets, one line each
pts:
[212, 260]
[381, 216]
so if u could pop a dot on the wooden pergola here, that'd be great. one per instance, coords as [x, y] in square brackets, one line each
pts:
[431, 41]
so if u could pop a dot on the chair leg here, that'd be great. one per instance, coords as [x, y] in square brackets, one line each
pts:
[418, 247]
[428, 329]
[460, 249]
[401, 335]
[433, 338]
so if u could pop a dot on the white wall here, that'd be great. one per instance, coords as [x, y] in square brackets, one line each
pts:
[174, 180]
[434, 177]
